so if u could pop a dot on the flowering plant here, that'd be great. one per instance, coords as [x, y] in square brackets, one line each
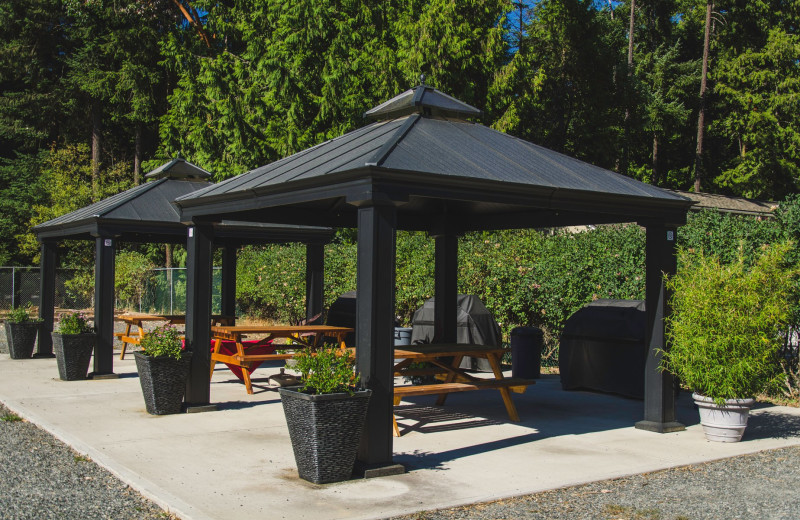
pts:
[164, 341]
[23, 314]
[326, 370]
[74, 323]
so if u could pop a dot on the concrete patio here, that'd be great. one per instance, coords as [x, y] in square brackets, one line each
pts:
[237, 462]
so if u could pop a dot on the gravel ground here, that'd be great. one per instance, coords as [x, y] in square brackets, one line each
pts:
[42, 478]
[760, 486]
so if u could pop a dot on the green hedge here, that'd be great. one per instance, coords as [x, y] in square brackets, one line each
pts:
[525, 277]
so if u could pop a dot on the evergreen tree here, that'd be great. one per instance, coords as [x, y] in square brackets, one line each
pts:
[559, 89]
[760, 89]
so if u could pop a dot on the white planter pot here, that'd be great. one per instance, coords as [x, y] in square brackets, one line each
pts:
[724, 423]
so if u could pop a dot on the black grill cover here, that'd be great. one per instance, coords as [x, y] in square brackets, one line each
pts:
[476, 326]
[603, 348]
[342, 313]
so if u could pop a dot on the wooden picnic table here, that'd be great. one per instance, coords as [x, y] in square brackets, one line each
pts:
[446, 359]
[138, 319]
[300, 336]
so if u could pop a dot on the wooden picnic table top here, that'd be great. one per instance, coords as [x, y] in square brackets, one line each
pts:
[435, 350]
[277, 329]
[139, 317]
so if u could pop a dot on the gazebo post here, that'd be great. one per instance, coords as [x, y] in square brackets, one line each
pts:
[659, 393]
[105, 252]
[315, 273]
[199, 266]
[446, 289]
[228, 289]
[47, 296]
[377, 229]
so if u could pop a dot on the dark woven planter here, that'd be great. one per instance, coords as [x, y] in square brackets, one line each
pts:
[73, 354]
[163, 381]
[325, 431]
[21, 338]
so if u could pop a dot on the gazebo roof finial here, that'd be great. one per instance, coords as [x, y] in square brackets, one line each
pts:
[423, 99]
[179, 169]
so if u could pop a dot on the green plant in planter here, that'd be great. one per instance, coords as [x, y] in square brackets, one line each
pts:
[73, 342]
[727, 323]
[164, 341]
[163, 367]
[23, 314]
[326, 370]
[22, 327]
[326, 416]
[74, 323]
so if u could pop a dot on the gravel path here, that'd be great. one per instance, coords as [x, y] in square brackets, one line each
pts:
[42, 478]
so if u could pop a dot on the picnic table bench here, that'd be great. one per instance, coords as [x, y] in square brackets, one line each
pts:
[138, 319]
[446, 359]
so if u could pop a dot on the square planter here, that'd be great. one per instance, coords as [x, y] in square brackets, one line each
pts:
[325, 431]
[21, 338]
[73, 354]
[163, 381]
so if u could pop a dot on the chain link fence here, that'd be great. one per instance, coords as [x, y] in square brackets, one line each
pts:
[20, 286]
[164, 294]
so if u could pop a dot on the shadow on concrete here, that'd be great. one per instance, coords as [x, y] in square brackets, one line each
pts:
[418, 460]
[243, 405]
[767, 424]
[545, 408]
[430, 419]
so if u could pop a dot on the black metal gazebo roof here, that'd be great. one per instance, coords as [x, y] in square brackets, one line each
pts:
[423, 165]
[147, 213]
[428, 158]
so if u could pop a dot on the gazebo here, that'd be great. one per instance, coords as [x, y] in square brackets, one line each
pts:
[424, 166]
[146, 213]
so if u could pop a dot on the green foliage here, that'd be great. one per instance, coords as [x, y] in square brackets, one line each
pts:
[555, 90]
[81, 286]
[10, 417]
[134, 272]
[727, 236]
[74, 323]
[21, 189]
[270, 282]
[326, 370]
[536, 279]
[67, 180]
[728, 322]
[760, 89]
[23, 314]
[165, 341]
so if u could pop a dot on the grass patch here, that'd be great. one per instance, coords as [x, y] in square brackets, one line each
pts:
[10, 417]
[81, 458]
[618, 512]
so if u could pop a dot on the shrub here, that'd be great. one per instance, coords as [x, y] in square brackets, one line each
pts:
[728, 322]
[23, 314]
[74, 323]
[165, 341]
[326, 370]
[134, 273]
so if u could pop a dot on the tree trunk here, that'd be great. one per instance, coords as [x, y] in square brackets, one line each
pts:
[96, 145]
[168, 265]
[628, 78]
[698, 156]
[656, 172]
[137, 155]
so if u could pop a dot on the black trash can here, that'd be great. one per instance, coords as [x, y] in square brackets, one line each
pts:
[526, 352]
